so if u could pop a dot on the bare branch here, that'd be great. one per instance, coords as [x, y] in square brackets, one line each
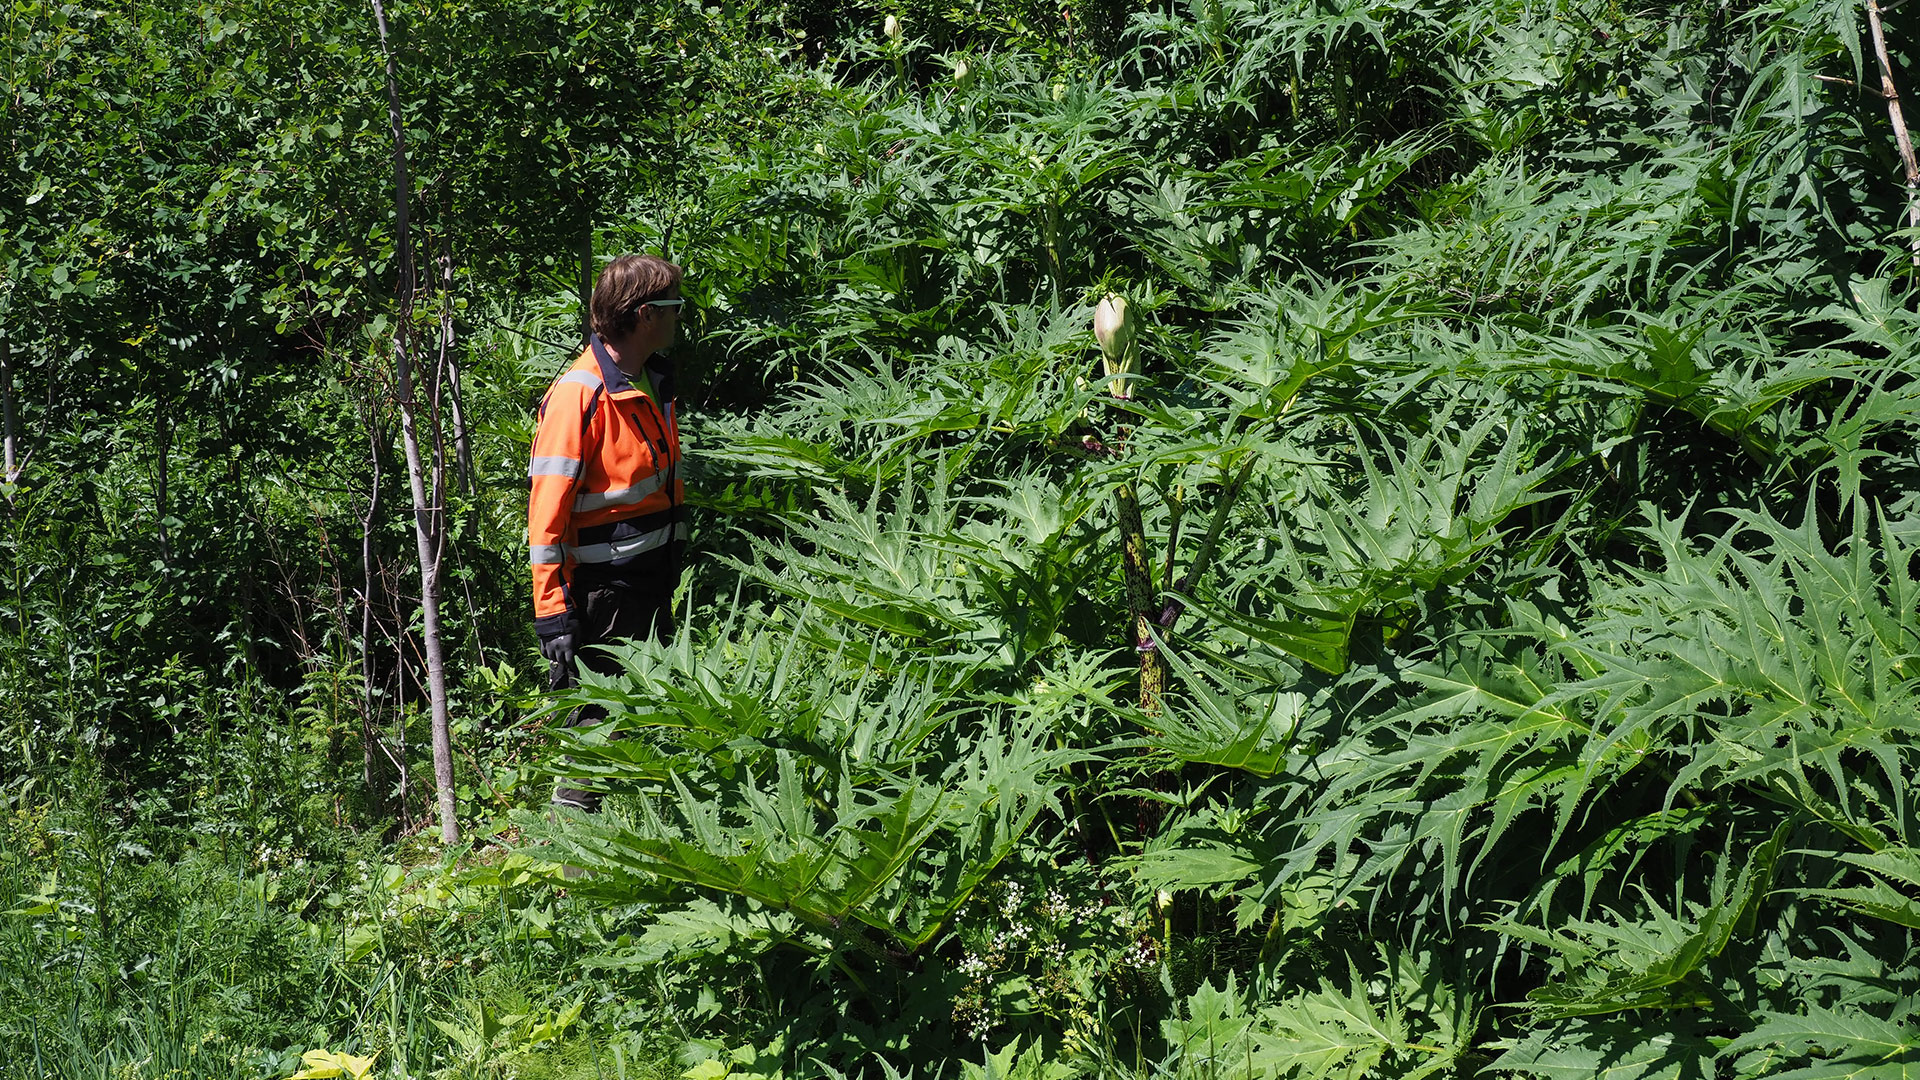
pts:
[1900, 135]
[6, 405]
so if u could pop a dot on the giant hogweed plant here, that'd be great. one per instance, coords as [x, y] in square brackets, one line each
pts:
[1359, 541]
[1445, 683]
[1643, 809]
[1763, 681]
[1442, 708]
[864, 809]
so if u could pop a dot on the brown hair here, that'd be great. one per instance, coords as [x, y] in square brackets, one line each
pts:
[628, 282]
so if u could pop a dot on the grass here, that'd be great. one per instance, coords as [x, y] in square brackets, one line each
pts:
[207, 967]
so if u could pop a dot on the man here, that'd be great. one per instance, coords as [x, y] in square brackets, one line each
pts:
[606, 521]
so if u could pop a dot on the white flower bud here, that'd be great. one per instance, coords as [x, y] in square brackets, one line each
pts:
[892, 28]
[1119, 348]
[962, 74]
[1059, 90]
[1110, 324]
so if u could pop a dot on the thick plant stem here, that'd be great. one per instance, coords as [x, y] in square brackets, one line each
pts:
[1137, 569]
[427, 515]
[1899, 121]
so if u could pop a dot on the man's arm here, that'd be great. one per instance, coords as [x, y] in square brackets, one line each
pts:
[554, 471]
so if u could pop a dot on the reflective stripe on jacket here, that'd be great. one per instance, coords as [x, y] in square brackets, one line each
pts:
[605, 473]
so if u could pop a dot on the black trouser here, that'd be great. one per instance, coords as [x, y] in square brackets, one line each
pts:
[613, 604]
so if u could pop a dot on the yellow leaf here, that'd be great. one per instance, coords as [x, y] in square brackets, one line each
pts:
[324, 1064]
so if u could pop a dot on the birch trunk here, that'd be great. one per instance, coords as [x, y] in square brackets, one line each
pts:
[427, 515]
[427, 532]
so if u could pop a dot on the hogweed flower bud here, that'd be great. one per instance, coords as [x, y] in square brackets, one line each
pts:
[1113, 328]
[1110, 323]
[962, 73]
[892, 28]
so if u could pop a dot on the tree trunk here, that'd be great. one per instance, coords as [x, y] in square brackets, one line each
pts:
[427, 515]
[1900, 136]
[427, 532]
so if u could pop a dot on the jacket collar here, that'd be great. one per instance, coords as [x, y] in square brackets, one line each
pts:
[659, 370]
[610, 373]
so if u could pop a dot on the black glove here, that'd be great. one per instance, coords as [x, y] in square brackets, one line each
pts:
[560, 652]
[559, 649]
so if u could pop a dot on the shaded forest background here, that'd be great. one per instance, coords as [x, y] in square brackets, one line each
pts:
[1475, 633]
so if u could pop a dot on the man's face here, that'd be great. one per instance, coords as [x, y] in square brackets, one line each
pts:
[662, 321]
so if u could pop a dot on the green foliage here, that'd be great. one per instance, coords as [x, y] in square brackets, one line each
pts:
[841, 806]
[1420, 1028]
[1522, 452]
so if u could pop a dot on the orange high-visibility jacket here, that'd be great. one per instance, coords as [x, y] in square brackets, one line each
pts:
[606, 479]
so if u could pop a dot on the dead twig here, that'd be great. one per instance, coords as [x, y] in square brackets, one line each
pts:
[1900, 135]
